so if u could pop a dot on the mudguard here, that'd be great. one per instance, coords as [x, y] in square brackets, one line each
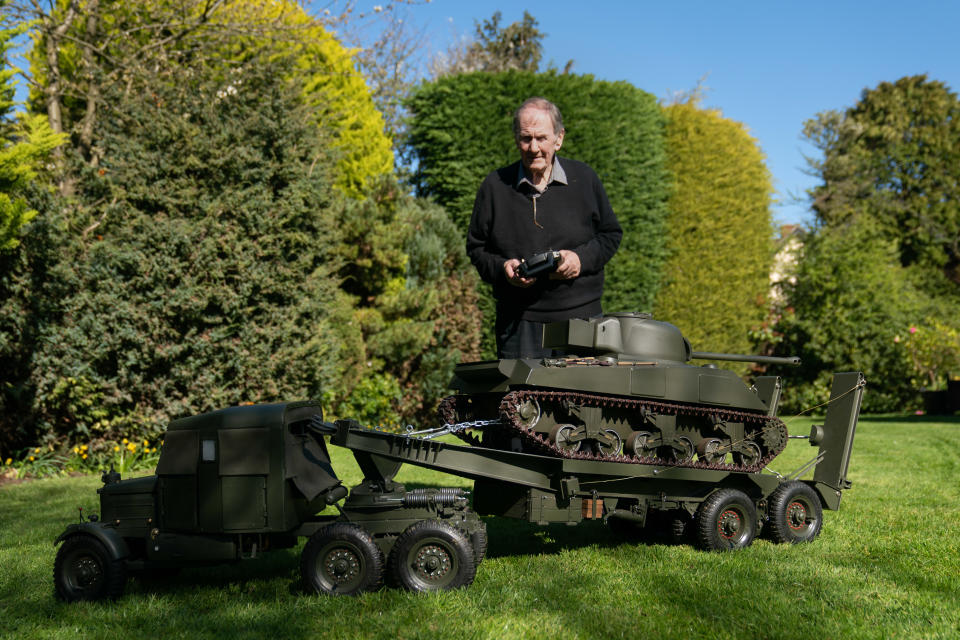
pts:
[115, 544]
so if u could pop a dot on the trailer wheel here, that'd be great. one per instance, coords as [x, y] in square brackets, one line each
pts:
[726, 520]
[85, 570]
[796, 514]
[432, 556]
[341, 559]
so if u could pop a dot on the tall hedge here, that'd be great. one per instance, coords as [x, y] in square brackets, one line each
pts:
[720, 230]
[461, 129]
[199, 274]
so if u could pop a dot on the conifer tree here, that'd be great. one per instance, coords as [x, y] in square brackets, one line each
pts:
[720, 230]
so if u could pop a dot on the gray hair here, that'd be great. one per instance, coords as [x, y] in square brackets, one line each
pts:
[543, 104]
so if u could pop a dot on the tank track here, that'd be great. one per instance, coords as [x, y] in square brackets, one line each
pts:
[756, 425]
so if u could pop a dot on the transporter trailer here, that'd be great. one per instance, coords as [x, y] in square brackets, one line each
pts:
[236, 483]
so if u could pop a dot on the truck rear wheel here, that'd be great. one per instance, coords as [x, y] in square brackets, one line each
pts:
[341, 559]
[85, 570]
[796, 514]
[726, 520]
[432, 556]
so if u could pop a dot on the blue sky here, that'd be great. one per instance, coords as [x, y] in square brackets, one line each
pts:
[770, 65]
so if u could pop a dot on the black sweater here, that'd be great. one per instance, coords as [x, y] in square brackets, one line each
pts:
[575, 216]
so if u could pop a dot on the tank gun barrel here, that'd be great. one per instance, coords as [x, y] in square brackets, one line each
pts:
[736, 357]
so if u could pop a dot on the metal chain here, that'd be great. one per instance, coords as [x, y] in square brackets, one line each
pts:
[449, 427]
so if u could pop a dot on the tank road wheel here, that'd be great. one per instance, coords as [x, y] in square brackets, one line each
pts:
[726, 520]
[84, 570]
[796, 514]
[680, 449]
[612, 446]
[341, 559]
[432, 556]
[711, 450]
[748, 455]
[560, 436]
[638, 444]
[529, 412]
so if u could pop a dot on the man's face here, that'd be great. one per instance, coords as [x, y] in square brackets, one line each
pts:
[536, 140]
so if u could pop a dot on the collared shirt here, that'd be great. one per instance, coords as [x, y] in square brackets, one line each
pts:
[557, 174]
[526, 187]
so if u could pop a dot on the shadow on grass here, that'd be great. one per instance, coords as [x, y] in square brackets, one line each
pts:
[239, 576]
[911, 419]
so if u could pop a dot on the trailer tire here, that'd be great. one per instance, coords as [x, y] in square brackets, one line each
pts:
[796, 514]
[726, 520]
[85, 570]
[431, 555]
[479, 541]
[341, 559]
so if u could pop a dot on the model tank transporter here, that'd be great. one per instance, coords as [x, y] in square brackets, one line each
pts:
[618, 427]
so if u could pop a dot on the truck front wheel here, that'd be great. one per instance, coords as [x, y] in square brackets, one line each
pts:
[84, 570]
[341, 559]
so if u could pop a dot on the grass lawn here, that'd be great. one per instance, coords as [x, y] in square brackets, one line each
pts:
[887, 565]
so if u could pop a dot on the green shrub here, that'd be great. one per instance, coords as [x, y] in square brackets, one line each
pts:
[412, 302]
[851, 305]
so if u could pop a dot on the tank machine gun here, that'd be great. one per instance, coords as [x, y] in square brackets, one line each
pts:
[238, 482]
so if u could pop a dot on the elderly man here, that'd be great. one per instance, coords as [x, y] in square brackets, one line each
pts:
[541, 203]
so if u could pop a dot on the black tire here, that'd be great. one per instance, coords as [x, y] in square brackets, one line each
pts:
[726, 520]
[85, 570]
[678, 527]
[479, 541]
[796, 514]
[341, 560]
[432, 555]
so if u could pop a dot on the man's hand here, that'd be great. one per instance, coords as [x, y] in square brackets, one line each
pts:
[569, 267]
[510, 269]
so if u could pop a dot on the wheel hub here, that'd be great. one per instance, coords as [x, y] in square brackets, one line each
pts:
[729, 524]
[87, 571]
[342, 566]
[432, 562]
[796, 516]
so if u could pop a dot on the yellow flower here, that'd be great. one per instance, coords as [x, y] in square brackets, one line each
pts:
[125, 441]
[132, 447]
[76, 449]
[116, 447]
[37, 450]
[32, 458]
[9, 461]
[83, 447]
[146, 443]
[84, 456]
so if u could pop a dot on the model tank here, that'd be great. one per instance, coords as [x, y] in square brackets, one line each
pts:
[621, 387]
